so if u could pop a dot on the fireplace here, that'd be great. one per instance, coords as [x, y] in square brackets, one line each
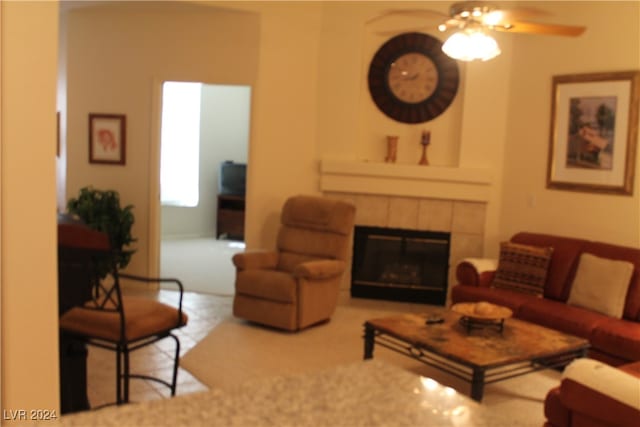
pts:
[400, 265]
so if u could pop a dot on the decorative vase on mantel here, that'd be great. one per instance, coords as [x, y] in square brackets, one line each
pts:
[425, 140]
[392, 149]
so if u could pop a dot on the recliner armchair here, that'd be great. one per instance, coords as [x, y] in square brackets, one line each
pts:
[297, 285]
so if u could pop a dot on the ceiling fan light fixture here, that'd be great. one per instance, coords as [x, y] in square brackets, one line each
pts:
[471, 44]
[493, 18]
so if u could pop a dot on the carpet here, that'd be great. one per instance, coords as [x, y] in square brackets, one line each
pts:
[236, 352]
[202, 265]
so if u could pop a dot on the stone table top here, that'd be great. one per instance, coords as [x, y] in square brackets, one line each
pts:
[367, 393]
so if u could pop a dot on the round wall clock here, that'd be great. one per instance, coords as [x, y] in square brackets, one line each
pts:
[411, 80]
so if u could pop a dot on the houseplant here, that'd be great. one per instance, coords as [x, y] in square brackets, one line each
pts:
[101, 210]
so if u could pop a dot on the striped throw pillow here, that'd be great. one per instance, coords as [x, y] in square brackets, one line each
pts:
[522, 268]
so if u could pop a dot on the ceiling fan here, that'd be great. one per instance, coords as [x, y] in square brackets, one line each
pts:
[491, 17]
[474, 21]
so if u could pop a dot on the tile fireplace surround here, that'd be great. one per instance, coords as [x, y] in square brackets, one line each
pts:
[432, 208]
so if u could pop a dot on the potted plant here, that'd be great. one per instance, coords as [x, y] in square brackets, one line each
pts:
[101, 210]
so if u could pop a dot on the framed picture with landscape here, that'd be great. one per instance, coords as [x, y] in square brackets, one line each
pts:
[107, 138]
[594, 132]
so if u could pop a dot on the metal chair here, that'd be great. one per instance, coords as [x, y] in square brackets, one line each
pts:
[101, 316]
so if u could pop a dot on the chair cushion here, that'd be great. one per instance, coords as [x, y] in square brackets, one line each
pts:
[522, 268]
[267, 284]
[144, 317]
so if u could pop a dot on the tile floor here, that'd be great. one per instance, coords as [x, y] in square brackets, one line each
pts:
[205, 311]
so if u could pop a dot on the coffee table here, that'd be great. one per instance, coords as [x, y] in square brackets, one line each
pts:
[479, 356]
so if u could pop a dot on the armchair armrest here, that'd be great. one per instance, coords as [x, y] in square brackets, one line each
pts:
[320, 269]
[476, 271]
[601, 392]
[255, 260]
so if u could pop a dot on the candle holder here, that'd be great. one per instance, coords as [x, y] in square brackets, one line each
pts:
[392, 149]
[425, 140]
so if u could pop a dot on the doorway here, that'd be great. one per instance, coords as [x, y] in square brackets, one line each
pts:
[203, 127]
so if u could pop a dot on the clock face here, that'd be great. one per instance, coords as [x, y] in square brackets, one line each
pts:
[411, 80]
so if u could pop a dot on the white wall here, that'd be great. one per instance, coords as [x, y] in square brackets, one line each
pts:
[224, 135]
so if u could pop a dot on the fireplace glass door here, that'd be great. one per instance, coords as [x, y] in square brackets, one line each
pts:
[400, 265]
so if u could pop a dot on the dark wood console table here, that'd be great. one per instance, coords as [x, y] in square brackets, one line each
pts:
[230, 217]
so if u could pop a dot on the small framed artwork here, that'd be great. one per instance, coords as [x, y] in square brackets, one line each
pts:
[594, 132]
[107, 138]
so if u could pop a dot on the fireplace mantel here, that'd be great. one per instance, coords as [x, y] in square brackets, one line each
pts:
[436, 182]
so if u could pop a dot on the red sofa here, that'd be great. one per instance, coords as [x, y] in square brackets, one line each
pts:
[592, 394]
[613, 341]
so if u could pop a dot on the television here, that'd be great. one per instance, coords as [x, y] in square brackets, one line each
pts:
[232, 178]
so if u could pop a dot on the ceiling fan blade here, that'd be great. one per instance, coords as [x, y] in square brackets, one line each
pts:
[536, 28]
[519, 13]
[422, 13]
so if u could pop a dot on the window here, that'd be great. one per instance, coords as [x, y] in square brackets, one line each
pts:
[180, 144]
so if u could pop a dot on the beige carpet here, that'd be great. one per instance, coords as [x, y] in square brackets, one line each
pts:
[203, 265]
[236, 352]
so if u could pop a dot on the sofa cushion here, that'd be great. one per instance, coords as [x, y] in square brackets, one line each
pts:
[564, 261]
[624, 253]
[560, 316]
[618, 337]
[503, 297]
[601, 285]
[522, 268]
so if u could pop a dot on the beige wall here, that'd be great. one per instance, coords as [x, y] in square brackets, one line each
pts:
[28, 240]
[468, 134]
[310, 102]
[293, 125]
[611, 43]
[118, 56]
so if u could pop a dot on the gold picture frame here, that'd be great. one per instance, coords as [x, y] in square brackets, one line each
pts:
[594, 132]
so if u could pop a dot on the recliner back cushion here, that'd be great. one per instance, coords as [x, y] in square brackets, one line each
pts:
[318, 213]
[314, 228]
[310, 244]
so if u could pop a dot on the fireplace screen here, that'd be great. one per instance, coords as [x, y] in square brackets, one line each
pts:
[401, 265]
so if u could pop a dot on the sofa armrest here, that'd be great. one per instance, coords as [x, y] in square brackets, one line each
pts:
[476, 271]
[255, 260]
[320, 269]
[601, 392]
